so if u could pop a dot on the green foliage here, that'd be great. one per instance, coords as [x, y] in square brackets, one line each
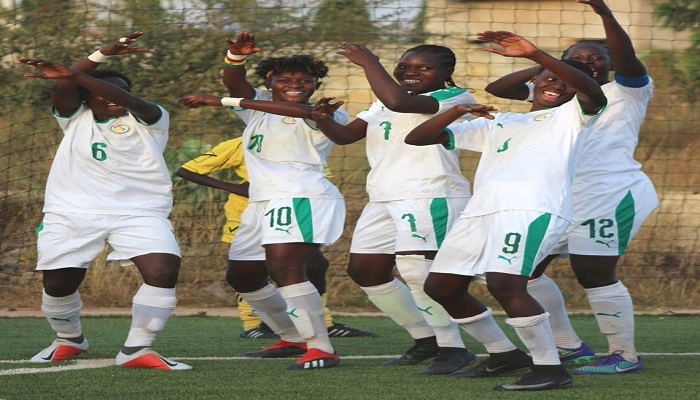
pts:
[684, 68]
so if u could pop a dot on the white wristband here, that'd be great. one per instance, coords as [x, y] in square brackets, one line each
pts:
[98, 57]
[231, 101]
[235, 57]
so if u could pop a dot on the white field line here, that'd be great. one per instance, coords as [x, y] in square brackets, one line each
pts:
[106, 362]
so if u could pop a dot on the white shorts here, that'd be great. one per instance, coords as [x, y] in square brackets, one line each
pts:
[296, 220]
[607, 217]
[511, 242]
[405, 225]
[74, 240]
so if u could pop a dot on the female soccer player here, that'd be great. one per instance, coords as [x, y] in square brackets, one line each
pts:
[293, 207]
[108, 184]
[521, 204]
[414, 196]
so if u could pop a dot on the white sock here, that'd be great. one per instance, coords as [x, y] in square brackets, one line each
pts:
[414, 270]
[547, 293]
[305, 308]
[150, 310]
[395, 300]
[483, 328]
[63, 314]
[268, 304]
[536, 335]
[614, 312]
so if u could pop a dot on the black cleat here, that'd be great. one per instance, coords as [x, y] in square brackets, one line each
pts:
[261, 331]
[514, 361]
[542, 377]
[449, 360]
[341, 330]
[422, 350]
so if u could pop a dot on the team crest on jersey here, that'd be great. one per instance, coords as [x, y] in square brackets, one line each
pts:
[542, 117]
[120, 129]
[289, 120]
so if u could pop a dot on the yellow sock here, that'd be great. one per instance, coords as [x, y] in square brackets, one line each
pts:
[326, 311]
[248, 318]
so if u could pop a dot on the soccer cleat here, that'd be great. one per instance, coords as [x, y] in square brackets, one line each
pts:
[316, 359]
[340, 330]
[449, 360]
[422, 350]
[148, 358]
[578, 355]
[510, 362]
[542, 377]
[281, 349]
[261, 331]
[59, 350]
[610, 364]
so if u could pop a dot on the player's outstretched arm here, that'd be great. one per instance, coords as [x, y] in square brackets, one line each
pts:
[240, 189]
[234, 75]
[622, 54]
[65, 95]
[337, 132]
[514, 85]
[391, 94]
[286, 108]
[146, 111]
[432, 131]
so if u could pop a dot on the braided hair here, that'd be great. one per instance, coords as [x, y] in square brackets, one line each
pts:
[446, 56]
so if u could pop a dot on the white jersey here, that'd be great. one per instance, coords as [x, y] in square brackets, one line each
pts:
[110, 167]
[608, 153]
[527, 159]
[286, 156]
[401, 171]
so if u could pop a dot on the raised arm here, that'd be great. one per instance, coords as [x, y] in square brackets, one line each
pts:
[622, 54]
[240, 189]
[146, 111]
[514, 85]
[391, 94]
[65, 95]
[589, 93]
[336, 132]
[432, 131]
[234, 76]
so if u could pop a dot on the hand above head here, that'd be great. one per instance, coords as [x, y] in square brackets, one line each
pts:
[598, 6]
[197, 100]
[357, 53]
[243, 45]
[479, 110]
[47, 69]
[323, 108]
[121, 46]
[513, 45]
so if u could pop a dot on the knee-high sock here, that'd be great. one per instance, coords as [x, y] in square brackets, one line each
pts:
[395, 300]
[614, 312]
[150, 310]
[414, 270]
[484, 329]
[63, 314]
[269, 305]
[547, 293]
[328, 318]
[305, 308]
[536, 335]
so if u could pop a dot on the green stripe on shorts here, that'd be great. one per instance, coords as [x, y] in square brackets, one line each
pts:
[624, 215]
[535, 235]
[439, 213]
[302, 213]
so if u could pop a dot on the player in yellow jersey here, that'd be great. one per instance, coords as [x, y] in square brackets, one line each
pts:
[229, 154]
